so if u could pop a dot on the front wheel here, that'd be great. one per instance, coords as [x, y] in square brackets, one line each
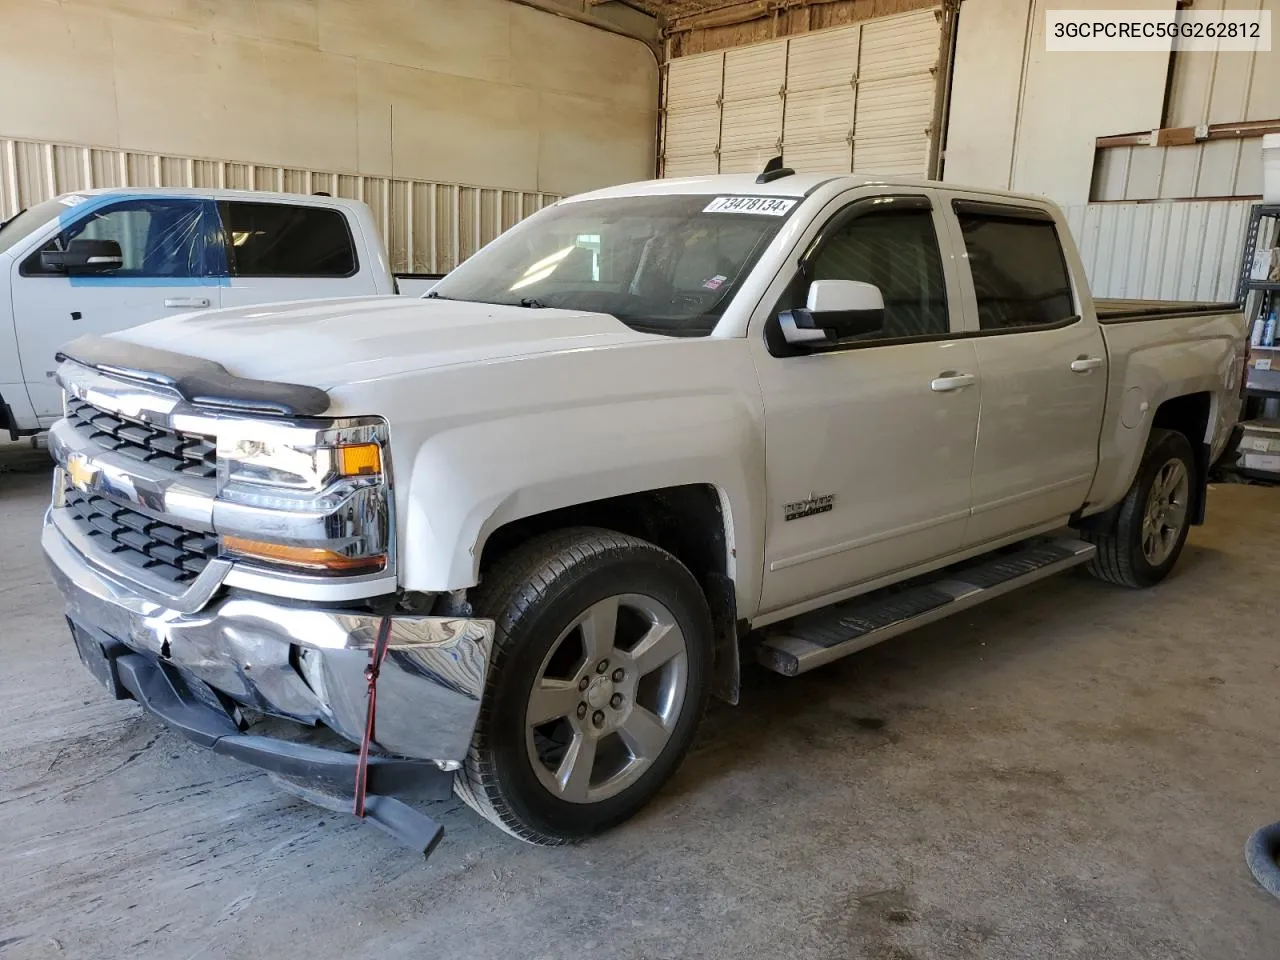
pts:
[1154, 518]
[599, 676]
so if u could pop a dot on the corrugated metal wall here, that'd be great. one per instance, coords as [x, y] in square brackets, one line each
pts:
[1213, 168]
[1162, 251]
[428, 227]
[1224, 86]
[488, 92]
[1205, 87]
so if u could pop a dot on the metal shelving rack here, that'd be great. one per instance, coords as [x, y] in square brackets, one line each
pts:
[1260, 441]
[1257, 298]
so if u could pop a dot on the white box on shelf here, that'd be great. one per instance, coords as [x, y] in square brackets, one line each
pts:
[1264, 462]
[1260, 446]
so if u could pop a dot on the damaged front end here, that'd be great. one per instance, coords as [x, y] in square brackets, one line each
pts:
[224, 554]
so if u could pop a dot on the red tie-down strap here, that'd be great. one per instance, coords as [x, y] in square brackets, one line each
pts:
[376, 656]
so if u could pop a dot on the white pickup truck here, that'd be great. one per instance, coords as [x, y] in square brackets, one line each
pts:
[102, 260]
[508, 539]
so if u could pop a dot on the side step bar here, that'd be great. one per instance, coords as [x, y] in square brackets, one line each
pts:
[812, 639]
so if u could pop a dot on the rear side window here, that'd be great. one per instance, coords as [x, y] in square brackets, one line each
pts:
[287, 240]
[158, 238]
[1019, 274]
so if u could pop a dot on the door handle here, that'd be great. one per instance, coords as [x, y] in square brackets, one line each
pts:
[186, 301]
[1085, 364]
[949, 380]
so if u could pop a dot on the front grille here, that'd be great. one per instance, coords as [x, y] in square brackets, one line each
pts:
[189, 454]
[157, 547]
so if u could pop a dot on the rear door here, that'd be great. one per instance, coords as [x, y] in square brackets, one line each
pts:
[278, 250]
[172, 262]
[1042, 365]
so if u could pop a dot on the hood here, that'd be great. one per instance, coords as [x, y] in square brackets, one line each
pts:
[325, 343]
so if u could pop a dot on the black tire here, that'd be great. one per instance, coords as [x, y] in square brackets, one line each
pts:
[534, 594]
[1121, 558]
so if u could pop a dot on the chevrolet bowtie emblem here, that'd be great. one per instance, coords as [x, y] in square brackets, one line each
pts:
[81, 471]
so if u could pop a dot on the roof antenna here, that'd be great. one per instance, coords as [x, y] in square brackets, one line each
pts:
[774, 170]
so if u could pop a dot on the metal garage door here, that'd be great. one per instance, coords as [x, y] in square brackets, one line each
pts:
[854, 99]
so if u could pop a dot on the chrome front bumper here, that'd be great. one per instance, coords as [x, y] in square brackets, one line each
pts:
[297, 661]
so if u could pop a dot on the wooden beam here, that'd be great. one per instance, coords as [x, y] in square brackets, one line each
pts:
[1180, 136]
[726, 15]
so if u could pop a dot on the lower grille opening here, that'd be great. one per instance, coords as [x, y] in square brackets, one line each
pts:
[159, 548]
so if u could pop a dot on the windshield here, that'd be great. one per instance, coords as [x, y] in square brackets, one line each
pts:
[27, 221]
[660, 264]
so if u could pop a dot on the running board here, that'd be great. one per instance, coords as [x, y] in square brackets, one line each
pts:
[812, 639]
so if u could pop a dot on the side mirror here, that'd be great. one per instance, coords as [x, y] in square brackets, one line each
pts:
[834, 310]
[84, 256]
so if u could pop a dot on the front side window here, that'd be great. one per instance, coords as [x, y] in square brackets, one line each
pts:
[157, 238]
[287, 240]
[1019, 275]
[897, 250]
[666, 264]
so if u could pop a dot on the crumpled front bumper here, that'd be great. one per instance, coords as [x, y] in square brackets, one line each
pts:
[298, 661]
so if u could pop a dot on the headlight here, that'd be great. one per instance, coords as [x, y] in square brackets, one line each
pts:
[309, 499]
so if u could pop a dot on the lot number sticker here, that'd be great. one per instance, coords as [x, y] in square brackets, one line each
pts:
[770, 206]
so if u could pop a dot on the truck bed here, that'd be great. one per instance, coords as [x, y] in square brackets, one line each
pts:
[1128, 311]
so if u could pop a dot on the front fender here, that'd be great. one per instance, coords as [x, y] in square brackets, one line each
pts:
[468, 481]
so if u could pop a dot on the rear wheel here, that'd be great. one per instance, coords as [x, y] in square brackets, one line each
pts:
[1154, 518]
[598, 679]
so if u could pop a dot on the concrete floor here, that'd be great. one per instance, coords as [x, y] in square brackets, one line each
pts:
[1067, 772]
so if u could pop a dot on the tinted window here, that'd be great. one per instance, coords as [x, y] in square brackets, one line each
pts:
[158, 238]
[287, 240]
[1019, 274]
[898, 252]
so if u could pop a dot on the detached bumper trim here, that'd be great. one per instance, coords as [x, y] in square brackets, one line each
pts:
[318, 774]
[298, 661]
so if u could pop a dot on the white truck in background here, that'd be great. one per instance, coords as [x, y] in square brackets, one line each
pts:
[102, 260]
[544, 511]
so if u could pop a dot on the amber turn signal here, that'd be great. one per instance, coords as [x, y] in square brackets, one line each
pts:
[307, 558]
[359, 460]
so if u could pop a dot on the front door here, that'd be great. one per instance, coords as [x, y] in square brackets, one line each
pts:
[170, 265]
[1043, 370]
[869, 443]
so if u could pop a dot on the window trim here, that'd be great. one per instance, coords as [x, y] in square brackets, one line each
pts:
[1008, 212]
[1000, 211]
[25, 272]
[855, 209]
[229, 248]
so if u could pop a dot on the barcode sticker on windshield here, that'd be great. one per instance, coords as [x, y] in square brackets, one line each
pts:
[770, 206]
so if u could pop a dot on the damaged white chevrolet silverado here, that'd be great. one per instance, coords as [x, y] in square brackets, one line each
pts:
[507, 540]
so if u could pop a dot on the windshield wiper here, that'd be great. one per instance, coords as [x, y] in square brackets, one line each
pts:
[533, 303]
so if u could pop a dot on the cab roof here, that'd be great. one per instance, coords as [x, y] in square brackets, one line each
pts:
[793, 185]
[220, 193]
